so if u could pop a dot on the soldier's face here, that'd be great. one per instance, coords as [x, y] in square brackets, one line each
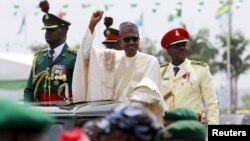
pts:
[130, 43]
[178, 52]
[115, 46]
[54, 36]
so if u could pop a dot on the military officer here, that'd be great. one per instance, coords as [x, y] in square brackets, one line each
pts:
[186, 83]
[111, 35]
[52, 69]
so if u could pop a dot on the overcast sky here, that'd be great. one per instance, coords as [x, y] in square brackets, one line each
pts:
[155, 24]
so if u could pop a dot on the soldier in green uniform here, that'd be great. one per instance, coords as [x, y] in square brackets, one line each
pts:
[20, 122]
[52, 69]
[178, 114]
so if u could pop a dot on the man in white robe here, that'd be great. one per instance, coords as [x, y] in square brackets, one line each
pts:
[127, 75]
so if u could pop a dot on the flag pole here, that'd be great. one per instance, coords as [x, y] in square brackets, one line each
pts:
[25, 32]
[231, 97]
[142, 22]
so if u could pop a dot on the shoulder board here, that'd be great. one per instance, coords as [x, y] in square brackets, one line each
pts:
[73, 50]
[193, 62]
[41, 51]
[165, 64]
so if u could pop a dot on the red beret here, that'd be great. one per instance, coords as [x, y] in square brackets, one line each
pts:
[174, 36]
[75, 134]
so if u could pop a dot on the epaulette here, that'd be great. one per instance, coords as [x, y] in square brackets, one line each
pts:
[41, 51]
[165, 64]
[164, 67]
[193, 62]
[73, 50]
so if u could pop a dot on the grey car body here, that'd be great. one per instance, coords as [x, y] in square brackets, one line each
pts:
[70, 115]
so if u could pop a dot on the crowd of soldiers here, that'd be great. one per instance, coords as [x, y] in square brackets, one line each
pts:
[163, 102]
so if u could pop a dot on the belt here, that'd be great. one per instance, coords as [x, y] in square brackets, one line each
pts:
[199, 117]
[202, 118]
[53, 97]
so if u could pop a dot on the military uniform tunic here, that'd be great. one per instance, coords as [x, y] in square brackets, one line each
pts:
[192, 83]
[49, 77]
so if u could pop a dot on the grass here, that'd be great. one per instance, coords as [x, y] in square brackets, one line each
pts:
[13, 84]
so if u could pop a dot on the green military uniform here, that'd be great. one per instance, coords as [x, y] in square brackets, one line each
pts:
[183, 130]
[16, 117]
[177, 114]
[51, 79]
[47, 76]
[180, 114]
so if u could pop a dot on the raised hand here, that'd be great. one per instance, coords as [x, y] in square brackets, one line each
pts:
[95, 18]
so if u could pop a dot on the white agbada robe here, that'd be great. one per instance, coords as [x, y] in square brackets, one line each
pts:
[107, 74]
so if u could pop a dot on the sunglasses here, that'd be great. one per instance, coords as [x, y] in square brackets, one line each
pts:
[51, 29]
[110, 45]
[128, 39]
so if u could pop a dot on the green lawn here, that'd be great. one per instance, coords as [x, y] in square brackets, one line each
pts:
[12, 84]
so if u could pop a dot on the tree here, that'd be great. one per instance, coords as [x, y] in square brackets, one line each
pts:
[148, 46]
[163, 56]
[200, 48]
[246, 100]
[239, 61]
[35, 48]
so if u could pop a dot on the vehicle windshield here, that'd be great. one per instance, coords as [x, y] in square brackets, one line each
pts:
[53, 132]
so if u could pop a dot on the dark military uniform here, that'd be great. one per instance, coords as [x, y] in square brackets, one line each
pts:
[47, 76]
[51, 79]
[18, 119]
